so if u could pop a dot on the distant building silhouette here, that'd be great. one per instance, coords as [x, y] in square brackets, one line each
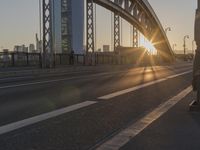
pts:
[32, 48]
[106, 48]
[21, 48]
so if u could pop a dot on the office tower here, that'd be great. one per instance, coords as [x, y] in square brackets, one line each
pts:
[68, 25]
[31, 48]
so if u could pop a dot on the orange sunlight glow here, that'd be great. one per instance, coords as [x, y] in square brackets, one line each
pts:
[149, 46]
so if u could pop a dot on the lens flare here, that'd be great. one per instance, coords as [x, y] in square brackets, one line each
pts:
[148, 45]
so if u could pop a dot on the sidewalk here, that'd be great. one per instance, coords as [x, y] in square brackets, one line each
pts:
[178, 129]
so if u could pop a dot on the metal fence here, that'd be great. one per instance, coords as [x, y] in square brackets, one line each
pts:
[14, 59]
[21, 59]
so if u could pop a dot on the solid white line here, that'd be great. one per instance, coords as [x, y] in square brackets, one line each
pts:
[43, 75]
[42, 117]
[51, 81]
[118, 93]
[63, 79]
[129, 133]
[35, 83]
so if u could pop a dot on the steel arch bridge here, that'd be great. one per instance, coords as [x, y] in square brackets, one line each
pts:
[138, 13]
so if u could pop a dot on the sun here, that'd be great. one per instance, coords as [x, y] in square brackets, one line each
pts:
[149, 46]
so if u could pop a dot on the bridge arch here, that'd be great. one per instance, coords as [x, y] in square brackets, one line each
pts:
[140, 14]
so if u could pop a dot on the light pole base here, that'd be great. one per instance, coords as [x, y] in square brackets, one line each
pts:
[194, 106]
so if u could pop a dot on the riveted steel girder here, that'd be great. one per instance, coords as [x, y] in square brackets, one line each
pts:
[135, 37]
[116, 31]
[90, 26]
[47, 34]
[141, 15]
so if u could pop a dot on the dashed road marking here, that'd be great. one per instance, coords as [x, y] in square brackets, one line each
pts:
[30, 121]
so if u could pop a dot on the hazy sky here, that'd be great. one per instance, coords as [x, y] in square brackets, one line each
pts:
[179, 15]
[19, 22]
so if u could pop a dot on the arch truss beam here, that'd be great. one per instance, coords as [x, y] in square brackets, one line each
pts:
[141, 15]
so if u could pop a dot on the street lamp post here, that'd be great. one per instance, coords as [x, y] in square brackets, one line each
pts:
[40, 18]
[184, 45]
[173, 47]
[40, 36]
[167, 29]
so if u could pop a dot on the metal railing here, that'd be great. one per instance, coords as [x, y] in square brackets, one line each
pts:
[21, 59]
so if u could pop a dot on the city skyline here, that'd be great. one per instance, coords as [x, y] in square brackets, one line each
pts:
[20, 28]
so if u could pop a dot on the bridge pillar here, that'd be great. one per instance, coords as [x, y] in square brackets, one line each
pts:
[48, 57]
[90, 33]
[135, 37]
[116, 31]
[90, 26]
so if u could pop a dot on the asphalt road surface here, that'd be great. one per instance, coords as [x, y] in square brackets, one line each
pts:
[83, 110]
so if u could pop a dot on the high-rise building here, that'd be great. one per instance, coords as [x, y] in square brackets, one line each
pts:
[5, 50]
[5, 56]
[31, 48]
[21, 48]
[38, 44]
[68, 25]
[106, 48]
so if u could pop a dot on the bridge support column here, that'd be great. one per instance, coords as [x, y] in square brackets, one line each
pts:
[90, 33]
[47, 60]
[116, 31]
[135, 37]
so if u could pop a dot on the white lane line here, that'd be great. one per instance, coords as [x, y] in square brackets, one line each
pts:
[118, 93]
[35, 83]
[64, 79]
[52, 81]
[26, 122]
[129, 133]
[42, 75]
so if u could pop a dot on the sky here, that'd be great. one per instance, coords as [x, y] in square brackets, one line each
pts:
[19, 22]
[180, 16]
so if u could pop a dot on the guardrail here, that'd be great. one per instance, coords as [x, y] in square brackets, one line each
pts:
[21, 59]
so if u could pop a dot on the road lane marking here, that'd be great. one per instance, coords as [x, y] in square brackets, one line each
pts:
[129, 133]
[30, 121]
[51, 74]
[58, 80]
[71, 78]
[122, 92]
[35, 83]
